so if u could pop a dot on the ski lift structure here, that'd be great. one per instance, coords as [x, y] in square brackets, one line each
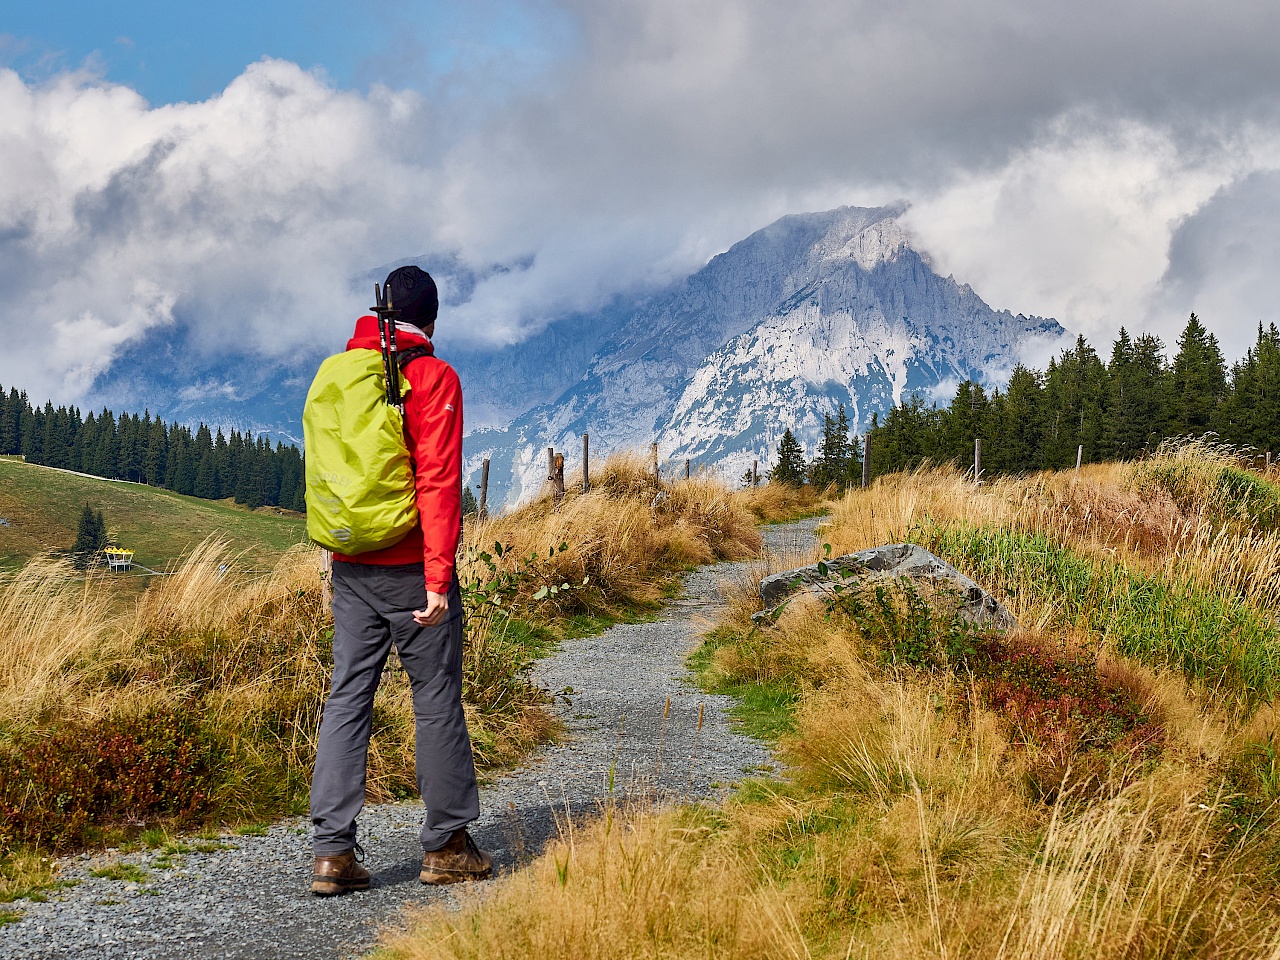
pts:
[119, 559]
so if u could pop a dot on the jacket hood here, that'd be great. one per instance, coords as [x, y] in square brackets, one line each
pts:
[366, 336]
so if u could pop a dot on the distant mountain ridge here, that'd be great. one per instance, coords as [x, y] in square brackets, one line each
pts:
[810, 311]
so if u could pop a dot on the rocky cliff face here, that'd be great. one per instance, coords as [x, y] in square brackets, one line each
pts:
[809, 312]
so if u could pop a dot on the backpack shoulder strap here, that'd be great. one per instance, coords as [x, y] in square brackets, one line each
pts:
[406, 357]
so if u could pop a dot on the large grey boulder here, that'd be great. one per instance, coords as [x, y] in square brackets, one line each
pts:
[892, 562]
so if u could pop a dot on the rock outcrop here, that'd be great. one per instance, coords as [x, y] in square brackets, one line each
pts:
[893, 562]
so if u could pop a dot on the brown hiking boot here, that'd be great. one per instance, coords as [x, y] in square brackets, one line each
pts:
[339, 874]
[458, 860]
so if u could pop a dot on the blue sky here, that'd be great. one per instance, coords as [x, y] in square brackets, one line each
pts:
[187, 51]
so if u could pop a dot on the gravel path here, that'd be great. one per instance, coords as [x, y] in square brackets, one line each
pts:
[251, 899]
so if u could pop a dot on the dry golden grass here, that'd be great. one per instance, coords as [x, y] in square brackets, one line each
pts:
[1116, 512]
[780, 503]
[908, 825]
[905, 830]
[624, 536]
[240, 662]
[51, 619]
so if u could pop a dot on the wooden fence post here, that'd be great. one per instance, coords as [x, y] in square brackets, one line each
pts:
[687, 469]
[483, 510]
[586, 463]
[755, 473]
[1079, 456]
[653, 456]
[326, 579]
[557, 476]
[1268, 463]
[866, 459]
[977, 459]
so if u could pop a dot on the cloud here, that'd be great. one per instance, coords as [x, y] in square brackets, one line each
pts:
[1223, 259]
[1078, 224]
[1053, 154]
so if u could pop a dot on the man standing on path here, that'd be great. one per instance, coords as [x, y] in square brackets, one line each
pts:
[406, 595]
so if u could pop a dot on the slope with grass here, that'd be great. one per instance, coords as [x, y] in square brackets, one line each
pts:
[197, 703]
[1099, 783]
[42, 507]
[635, 730]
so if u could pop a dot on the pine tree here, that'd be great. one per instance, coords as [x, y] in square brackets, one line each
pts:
[469, 505]
[1197, 382]
[964, 421]
[91, 537]
[1250, 414]
[833, 463]
[1075, 397]
[790, 468]
[11, 423]
[1017, 444]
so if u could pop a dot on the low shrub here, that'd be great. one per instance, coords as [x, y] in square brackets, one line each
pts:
[57, 790]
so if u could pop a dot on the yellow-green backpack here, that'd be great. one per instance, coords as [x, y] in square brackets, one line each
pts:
[360, 491]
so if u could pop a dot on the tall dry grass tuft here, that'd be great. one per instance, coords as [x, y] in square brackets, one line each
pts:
[220, 672]
[1145, 874]
[782, 503]
[52, 619]
[620, 890]
[1177, 515]
[622, 537]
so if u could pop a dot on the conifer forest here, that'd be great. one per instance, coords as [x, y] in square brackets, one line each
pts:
[199, 463]
[1120, 409]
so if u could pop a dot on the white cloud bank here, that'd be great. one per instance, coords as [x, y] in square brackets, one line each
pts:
[1101, 163]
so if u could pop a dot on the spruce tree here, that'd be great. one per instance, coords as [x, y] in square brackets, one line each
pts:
[833, 461]
[469, 505]
[1250, 414]
[790, 468]
[1018, 445]
[1197, 382]
[91, 537]
[11, 423]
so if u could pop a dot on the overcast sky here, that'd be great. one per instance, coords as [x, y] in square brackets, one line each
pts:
[234, 171]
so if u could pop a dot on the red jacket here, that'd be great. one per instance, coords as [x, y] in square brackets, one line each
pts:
[433, 430]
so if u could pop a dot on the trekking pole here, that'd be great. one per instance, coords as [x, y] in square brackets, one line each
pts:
[387, 341]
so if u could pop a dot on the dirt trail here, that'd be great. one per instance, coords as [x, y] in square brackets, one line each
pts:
[252, 901]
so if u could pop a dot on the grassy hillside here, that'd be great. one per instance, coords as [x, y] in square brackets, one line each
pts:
[1102, 782]
[43, 507]
[198, 701]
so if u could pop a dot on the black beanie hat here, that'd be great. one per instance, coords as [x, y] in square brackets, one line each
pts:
[413, 293]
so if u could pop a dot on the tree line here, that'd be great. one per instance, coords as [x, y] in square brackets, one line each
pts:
[837, 460]
[1114, 410]
[199, 463]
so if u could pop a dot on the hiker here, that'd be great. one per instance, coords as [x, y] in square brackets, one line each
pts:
[405, 594]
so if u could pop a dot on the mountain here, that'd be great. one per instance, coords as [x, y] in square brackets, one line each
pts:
[810, 311]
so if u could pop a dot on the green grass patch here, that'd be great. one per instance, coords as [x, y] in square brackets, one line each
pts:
[764, 708]
[9, 916]
[1228, 493]
[1215, 640]
[125, 872]
[251, 830]
[43, 505]
[763, 711]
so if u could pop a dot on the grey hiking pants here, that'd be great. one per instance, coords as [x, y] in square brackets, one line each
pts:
[373, 609]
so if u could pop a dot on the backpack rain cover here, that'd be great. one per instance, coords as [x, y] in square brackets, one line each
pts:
[360, 490]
